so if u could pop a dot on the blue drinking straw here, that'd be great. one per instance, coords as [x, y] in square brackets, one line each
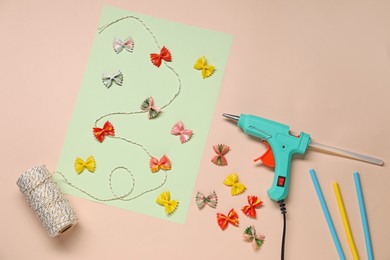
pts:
[327, 215]
[363, 215]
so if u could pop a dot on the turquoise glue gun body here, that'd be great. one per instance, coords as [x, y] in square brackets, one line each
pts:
[281, 146]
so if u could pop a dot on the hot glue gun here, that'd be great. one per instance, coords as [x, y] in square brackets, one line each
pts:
[282, 146]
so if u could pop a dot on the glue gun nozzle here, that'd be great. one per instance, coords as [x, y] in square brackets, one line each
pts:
[232, 117]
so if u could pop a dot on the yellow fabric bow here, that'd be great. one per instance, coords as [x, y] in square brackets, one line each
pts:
[201, 64]
[80, 165]
[232, 181]
[165, 200]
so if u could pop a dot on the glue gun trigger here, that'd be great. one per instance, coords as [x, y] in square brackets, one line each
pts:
[267, 158]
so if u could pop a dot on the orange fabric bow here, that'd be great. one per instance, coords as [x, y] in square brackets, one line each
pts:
[165, 55]
[100, 133]
[231, 218]
[164, 164]
[250, 210]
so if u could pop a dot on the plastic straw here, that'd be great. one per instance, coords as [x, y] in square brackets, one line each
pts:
[344, 217]
[366, 229]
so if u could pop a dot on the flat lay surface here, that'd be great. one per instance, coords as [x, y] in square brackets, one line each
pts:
[321, 67]
[176, 89]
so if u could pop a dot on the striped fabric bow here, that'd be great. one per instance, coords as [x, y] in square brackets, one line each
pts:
[100, 133]
[221, 150]
[148, 105]
[165, 55]
[119, 45]
[231, 218]
[210, 200]
[251, 236]
[109, 78]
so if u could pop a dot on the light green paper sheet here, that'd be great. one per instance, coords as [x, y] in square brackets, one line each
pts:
[194, 107]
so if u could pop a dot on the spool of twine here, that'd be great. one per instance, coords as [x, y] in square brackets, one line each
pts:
[46, 199]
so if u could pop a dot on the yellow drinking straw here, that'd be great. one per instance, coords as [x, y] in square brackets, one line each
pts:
[345, 220]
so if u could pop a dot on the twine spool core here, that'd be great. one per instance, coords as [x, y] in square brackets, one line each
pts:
[65, 228]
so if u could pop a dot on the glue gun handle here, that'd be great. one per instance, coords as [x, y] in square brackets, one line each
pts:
[280, 185]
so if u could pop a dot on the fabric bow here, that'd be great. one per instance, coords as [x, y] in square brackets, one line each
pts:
[178, 129]
[119, 45]
[251, 236]
[232, 181]
[148, 105]
[202, 200]
[164, 164]
[80, 165]
[100, 133]
[231, 218]
[164, 199]
[165, 55]
[201, 64]
[250, 210]
[116, 77]
[221, 150]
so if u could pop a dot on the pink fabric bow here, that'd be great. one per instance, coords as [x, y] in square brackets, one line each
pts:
[178, 129]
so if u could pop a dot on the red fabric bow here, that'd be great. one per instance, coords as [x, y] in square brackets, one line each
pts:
[250, 210]
[100, 133]
[165, 55]
[231, 218]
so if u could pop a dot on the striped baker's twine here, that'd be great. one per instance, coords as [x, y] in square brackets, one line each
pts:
[46, 199]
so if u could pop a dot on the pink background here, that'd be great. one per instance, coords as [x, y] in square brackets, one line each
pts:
[320, 66]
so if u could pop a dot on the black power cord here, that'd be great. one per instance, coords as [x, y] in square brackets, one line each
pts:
[283, 211]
